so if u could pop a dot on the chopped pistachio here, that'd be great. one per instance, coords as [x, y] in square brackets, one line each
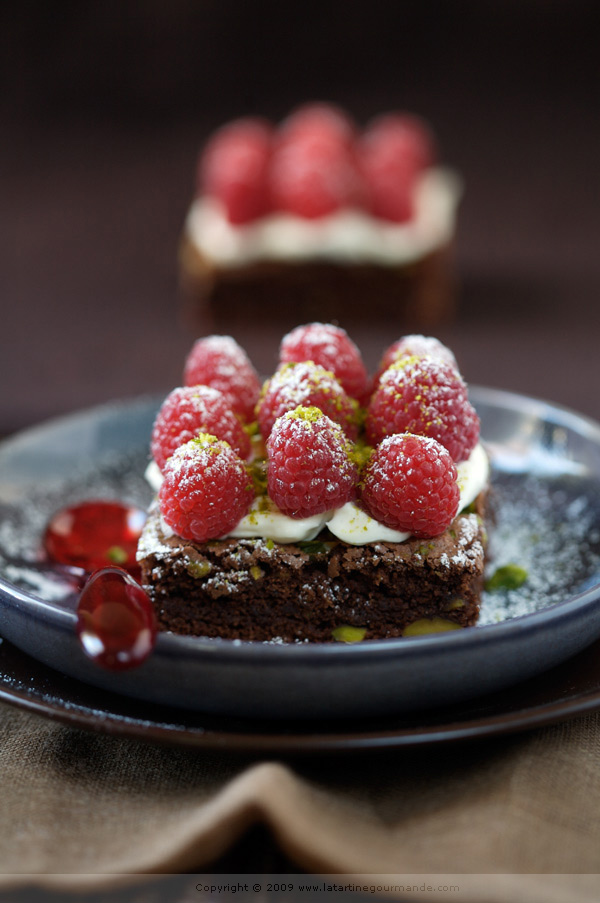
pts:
[348, 634]
[509, 576]
[315, 546]
[429, 625]
[199, 569]
[117, 555]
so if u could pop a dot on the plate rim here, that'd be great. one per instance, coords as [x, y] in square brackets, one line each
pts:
[108, 721]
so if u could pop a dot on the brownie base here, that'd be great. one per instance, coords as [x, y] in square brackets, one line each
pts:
[418, 295]
[254, 589]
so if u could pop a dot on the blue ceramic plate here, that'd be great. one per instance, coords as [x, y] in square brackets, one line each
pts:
[546, 474]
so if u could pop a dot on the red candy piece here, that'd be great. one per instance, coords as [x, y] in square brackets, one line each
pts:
[233, 168]
[190, 410]
[427, 397]
[206, 489]
[312, 176]
[219, 361]
[331, 348]
[306, 384]
[95, 534]
[116, 625]
[410, 484]
[309, 468]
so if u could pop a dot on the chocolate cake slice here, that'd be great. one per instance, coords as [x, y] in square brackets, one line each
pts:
[315, 591]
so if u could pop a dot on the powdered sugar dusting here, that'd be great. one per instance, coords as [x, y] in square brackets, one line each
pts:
[552, 530]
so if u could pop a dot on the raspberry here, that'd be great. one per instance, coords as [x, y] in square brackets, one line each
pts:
[331, 348]
[206, 489]
[233, 168]
[219, 361]
[417, 345]
[190, 410]
[319, 118]
[410, 484]
[427, 397]
[309, 466]
[312, 176]
[392, 153]
[403, 136]
[306, 384]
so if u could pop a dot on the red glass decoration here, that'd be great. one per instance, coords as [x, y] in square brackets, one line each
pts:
[116, 625]
[95, 534]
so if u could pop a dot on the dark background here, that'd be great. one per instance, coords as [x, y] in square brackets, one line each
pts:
[105, 104]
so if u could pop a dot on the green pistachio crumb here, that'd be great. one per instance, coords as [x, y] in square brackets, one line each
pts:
[509, 576]
[429, 625]
[117, 555]
[455, 603]
[315, 546]
[198, 569]
[348, 634]
[256, 572]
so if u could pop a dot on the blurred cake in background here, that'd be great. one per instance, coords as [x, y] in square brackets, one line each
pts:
[318, 218]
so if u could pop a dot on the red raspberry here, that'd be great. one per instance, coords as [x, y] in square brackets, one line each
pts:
[324, 119]
[309, 466]
[392, 153]
[306, 384]
[233, 168]
[331, 348]
[190, 410]
[410, 484]
[312, 176]
[414, 345]
[206, 489]
[427, 397]
[219, 361]
[403, 136]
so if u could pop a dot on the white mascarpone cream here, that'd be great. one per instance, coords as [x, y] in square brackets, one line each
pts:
[350, 236]
[350, 523]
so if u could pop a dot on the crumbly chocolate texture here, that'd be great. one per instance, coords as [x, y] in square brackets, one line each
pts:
[420, 294]
[255, 589]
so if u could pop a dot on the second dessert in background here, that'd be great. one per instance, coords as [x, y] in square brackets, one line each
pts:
[318, 218]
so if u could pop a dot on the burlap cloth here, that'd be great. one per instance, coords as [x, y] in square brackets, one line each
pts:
[525, 807]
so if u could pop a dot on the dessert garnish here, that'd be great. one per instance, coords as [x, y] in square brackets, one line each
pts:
[116, 625]
[410, 484]
[234, 168]
[398, 476]
[310, 385]
[394, 149]
[189, 410]
[206, 489]
[425, 396]
[331, 348]
[315, 164]
[94, 543]
[95, 534]
[414, 346]
[507, 576]
[310, 470]
[219, 361]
